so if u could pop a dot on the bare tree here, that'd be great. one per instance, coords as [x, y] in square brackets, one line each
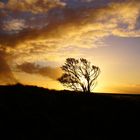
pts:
[79, 75]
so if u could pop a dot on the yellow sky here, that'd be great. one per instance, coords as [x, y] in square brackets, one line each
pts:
[37, 38]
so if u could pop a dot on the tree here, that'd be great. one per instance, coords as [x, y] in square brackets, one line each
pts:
[79, 75]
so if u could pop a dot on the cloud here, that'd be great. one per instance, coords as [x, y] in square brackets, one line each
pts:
[33, 6]
[85, 24]
[37, 30]
[14, 25]
[1, 5]
[85, 29]
[6, 76]
[123, 16]
[31, 68]
[87, 0]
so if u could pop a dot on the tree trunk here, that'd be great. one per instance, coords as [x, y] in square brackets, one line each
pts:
[88, 86]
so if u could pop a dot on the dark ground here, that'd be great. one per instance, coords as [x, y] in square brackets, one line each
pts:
[29, 113]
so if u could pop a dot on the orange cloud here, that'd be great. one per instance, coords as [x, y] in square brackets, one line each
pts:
[1, 5]
[34, 6]
[6, 75]
[83, 29]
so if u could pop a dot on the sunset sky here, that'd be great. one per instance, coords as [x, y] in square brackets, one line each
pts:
[36, 36]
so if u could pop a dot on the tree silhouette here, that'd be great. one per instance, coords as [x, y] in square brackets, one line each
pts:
[79, 75]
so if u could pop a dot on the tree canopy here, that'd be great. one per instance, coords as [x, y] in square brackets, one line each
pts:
[79, 74]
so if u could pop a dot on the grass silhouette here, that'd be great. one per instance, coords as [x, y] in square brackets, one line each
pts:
[30, 112]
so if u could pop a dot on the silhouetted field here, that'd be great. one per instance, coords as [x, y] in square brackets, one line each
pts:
[29, 113]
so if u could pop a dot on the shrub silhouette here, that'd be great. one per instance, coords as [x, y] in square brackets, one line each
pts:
[79, 75]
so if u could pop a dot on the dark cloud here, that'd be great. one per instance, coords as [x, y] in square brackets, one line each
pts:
[31, 68]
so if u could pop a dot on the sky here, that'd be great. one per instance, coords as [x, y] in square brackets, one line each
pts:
[36, 37]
